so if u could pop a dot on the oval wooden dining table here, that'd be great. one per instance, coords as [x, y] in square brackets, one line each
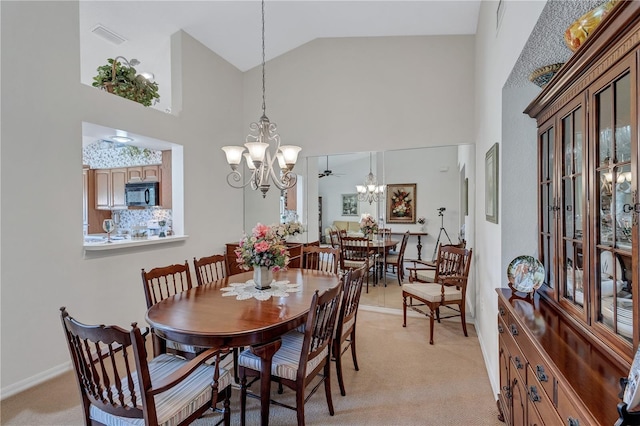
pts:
[203, 317]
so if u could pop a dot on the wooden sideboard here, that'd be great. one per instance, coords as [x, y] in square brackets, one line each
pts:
[550, 372]
[295, 257]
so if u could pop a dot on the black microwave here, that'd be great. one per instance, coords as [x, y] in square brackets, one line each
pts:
[142, 194]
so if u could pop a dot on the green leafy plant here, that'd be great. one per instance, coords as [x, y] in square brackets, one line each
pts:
[123, 81]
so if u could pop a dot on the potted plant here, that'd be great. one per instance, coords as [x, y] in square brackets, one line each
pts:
[122, 80]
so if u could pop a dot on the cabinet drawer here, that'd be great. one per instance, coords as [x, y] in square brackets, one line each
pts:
[539, 371]
[569, 411]
[545, 413]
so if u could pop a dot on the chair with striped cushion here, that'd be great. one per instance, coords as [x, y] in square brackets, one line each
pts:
[119, 386]
[346, 324]
[160, 283]
[449, 288]
[211, 268]
[301, 357]
[321, 258]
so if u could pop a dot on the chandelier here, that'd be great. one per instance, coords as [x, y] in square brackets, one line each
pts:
[370, 191]
[260, 159]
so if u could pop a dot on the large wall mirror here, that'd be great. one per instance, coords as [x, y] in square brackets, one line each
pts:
[326, 193]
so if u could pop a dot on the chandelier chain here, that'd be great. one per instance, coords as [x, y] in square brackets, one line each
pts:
[264, 105]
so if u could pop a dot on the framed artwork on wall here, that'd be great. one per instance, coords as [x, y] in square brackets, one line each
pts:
[491, 184]
[349, 204]
[401, 203]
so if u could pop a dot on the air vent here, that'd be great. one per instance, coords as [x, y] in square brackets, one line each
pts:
[108, 34]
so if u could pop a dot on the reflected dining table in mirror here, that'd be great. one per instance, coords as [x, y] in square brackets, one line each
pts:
[382, 247]
[203, 316]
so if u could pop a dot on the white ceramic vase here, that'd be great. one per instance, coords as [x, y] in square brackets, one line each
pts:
[263, 277]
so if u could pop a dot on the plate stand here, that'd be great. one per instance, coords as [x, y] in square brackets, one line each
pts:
[516, 294]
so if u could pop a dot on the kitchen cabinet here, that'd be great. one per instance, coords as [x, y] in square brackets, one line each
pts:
[148, 173]
[85, 200]
[110, 184]
[164, 176]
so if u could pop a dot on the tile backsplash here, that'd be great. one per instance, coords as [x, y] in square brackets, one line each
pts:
[109, 155]
[126, 219]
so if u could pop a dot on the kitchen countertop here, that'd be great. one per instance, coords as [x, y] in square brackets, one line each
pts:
[117, 243]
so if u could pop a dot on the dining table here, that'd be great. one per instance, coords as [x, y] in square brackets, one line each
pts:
[382, 246]
[211, 316]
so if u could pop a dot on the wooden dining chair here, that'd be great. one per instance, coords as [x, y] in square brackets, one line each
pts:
[424, 270]
[396, 261]
[211, 268]
[321, 258]
[356, 252]
[334, 236]
[160, 283]
[345, 331]
[118, 385]
[449, 288]
[302, 356]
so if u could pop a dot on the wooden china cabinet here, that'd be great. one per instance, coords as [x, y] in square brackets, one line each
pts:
[563, 352]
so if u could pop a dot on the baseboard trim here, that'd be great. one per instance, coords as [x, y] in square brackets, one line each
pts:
[410, 312]
[32, 381]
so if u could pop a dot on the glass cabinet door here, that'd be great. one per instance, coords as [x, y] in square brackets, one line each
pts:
[613, 212]
[572, 206]
[548, 205]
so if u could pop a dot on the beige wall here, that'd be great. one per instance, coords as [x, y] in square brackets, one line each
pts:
[496, 53]
[43, 106]
[329, 96]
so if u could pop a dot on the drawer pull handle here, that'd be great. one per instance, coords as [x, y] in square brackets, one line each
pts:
[573, 422]
[507, 391]
[533, 394]
[500, 329]
[540, 373]
[518, 363]
[514, 330]
[501, 311]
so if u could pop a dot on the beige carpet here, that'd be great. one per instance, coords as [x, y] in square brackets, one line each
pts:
[402, 381]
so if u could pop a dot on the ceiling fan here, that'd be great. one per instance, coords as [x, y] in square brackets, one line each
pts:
[327, 172]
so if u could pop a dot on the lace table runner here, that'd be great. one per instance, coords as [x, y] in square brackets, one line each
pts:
[248, 289]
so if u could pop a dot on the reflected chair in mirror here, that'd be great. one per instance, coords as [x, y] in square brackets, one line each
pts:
[335, 238]
[397, 260]
[302, 356]
[447, 291]
[211, 268]
[321, 258]
[424, 270]
[346, 325]
[120, 385]
[160, 283]
[356, 252]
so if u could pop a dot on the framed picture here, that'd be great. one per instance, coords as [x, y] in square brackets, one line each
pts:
[491, 184]
[401, 203]
[349, 204]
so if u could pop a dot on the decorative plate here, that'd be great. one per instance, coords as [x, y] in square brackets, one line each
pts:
[525, 273]
[541, 76]
[631, 394]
